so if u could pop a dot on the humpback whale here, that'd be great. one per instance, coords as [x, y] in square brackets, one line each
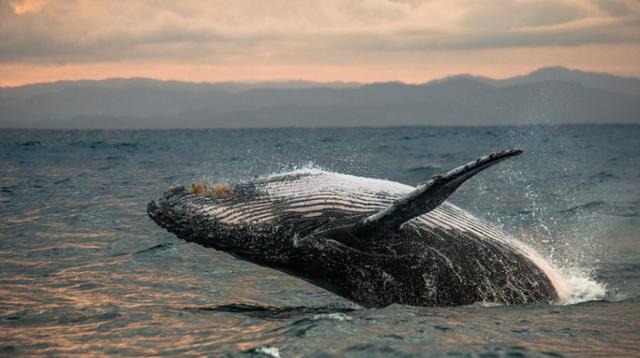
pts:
[374, 242]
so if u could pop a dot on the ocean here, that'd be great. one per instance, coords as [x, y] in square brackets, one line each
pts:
[84, 271]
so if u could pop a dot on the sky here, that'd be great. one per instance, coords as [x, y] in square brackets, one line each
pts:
[327, 40]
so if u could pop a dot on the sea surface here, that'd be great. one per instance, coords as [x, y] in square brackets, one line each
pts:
[85, 272]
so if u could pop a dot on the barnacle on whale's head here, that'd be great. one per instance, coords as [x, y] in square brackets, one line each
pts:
[213, 190]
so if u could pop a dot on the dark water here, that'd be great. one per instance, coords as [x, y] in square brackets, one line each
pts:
[83, 271]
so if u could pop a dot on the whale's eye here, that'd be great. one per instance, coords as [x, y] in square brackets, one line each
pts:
[213, 190]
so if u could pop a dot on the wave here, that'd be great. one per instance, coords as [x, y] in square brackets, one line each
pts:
[30, 143]
[590, 206]
[257, 311]
[603, 176]
[631, 209]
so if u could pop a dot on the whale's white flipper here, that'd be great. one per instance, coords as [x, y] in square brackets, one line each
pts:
[428, 196]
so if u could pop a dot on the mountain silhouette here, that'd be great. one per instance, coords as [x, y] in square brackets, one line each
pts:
[551, 95]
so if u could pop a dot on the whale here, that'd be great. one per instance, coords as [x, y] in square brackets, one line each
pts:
[374, 242]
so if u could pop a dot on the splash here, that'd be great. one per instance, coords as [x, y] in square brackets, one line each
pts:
[582, 287]
[309, 168]
[558, 219]
[573, 284]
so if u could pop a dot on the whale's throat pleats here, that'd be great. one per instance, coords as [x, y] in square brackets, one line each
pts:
[420, 201]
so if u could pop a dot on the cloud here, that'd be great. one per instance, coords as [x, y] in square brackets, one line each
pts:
[298, 31]
[26, 6]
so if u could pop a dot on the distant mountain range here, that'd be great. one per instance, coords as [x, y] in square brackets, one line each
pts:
[551, 95]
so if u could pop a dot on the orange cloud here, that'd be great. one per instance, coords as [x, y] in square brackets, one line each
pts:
[26, 6]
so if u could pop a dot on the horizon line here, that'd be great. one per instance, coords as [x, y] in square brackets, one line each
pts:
[302, 80]
[524, 125]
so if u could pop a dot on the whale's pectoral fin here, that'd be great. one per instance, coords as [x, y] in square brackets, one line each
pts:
[428, 196]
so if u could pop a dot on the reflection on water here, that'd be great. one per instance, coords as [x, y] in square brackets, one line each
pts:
[83, 271]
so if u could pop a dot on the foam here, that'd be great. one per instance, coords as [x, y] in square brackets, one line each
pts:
[269, 351]
[583, 288]
[332, 316]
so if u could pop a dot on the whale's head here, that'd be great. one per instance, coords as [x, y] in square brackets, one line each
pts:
[304, 237]
[277, 222]
[219, 216]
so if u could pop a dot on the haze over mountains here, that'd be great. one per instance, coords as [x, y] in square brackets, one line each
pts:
[550, 95]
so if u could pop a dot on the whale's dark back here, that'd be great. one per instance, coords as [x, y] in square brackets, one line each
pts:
[443, 257]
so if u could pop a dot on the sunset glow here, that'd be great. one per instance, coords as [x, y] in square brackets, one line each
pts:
[340, 40]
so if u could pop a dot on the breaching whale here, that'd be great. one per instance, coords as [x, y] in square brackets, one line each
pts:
[374, 242]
